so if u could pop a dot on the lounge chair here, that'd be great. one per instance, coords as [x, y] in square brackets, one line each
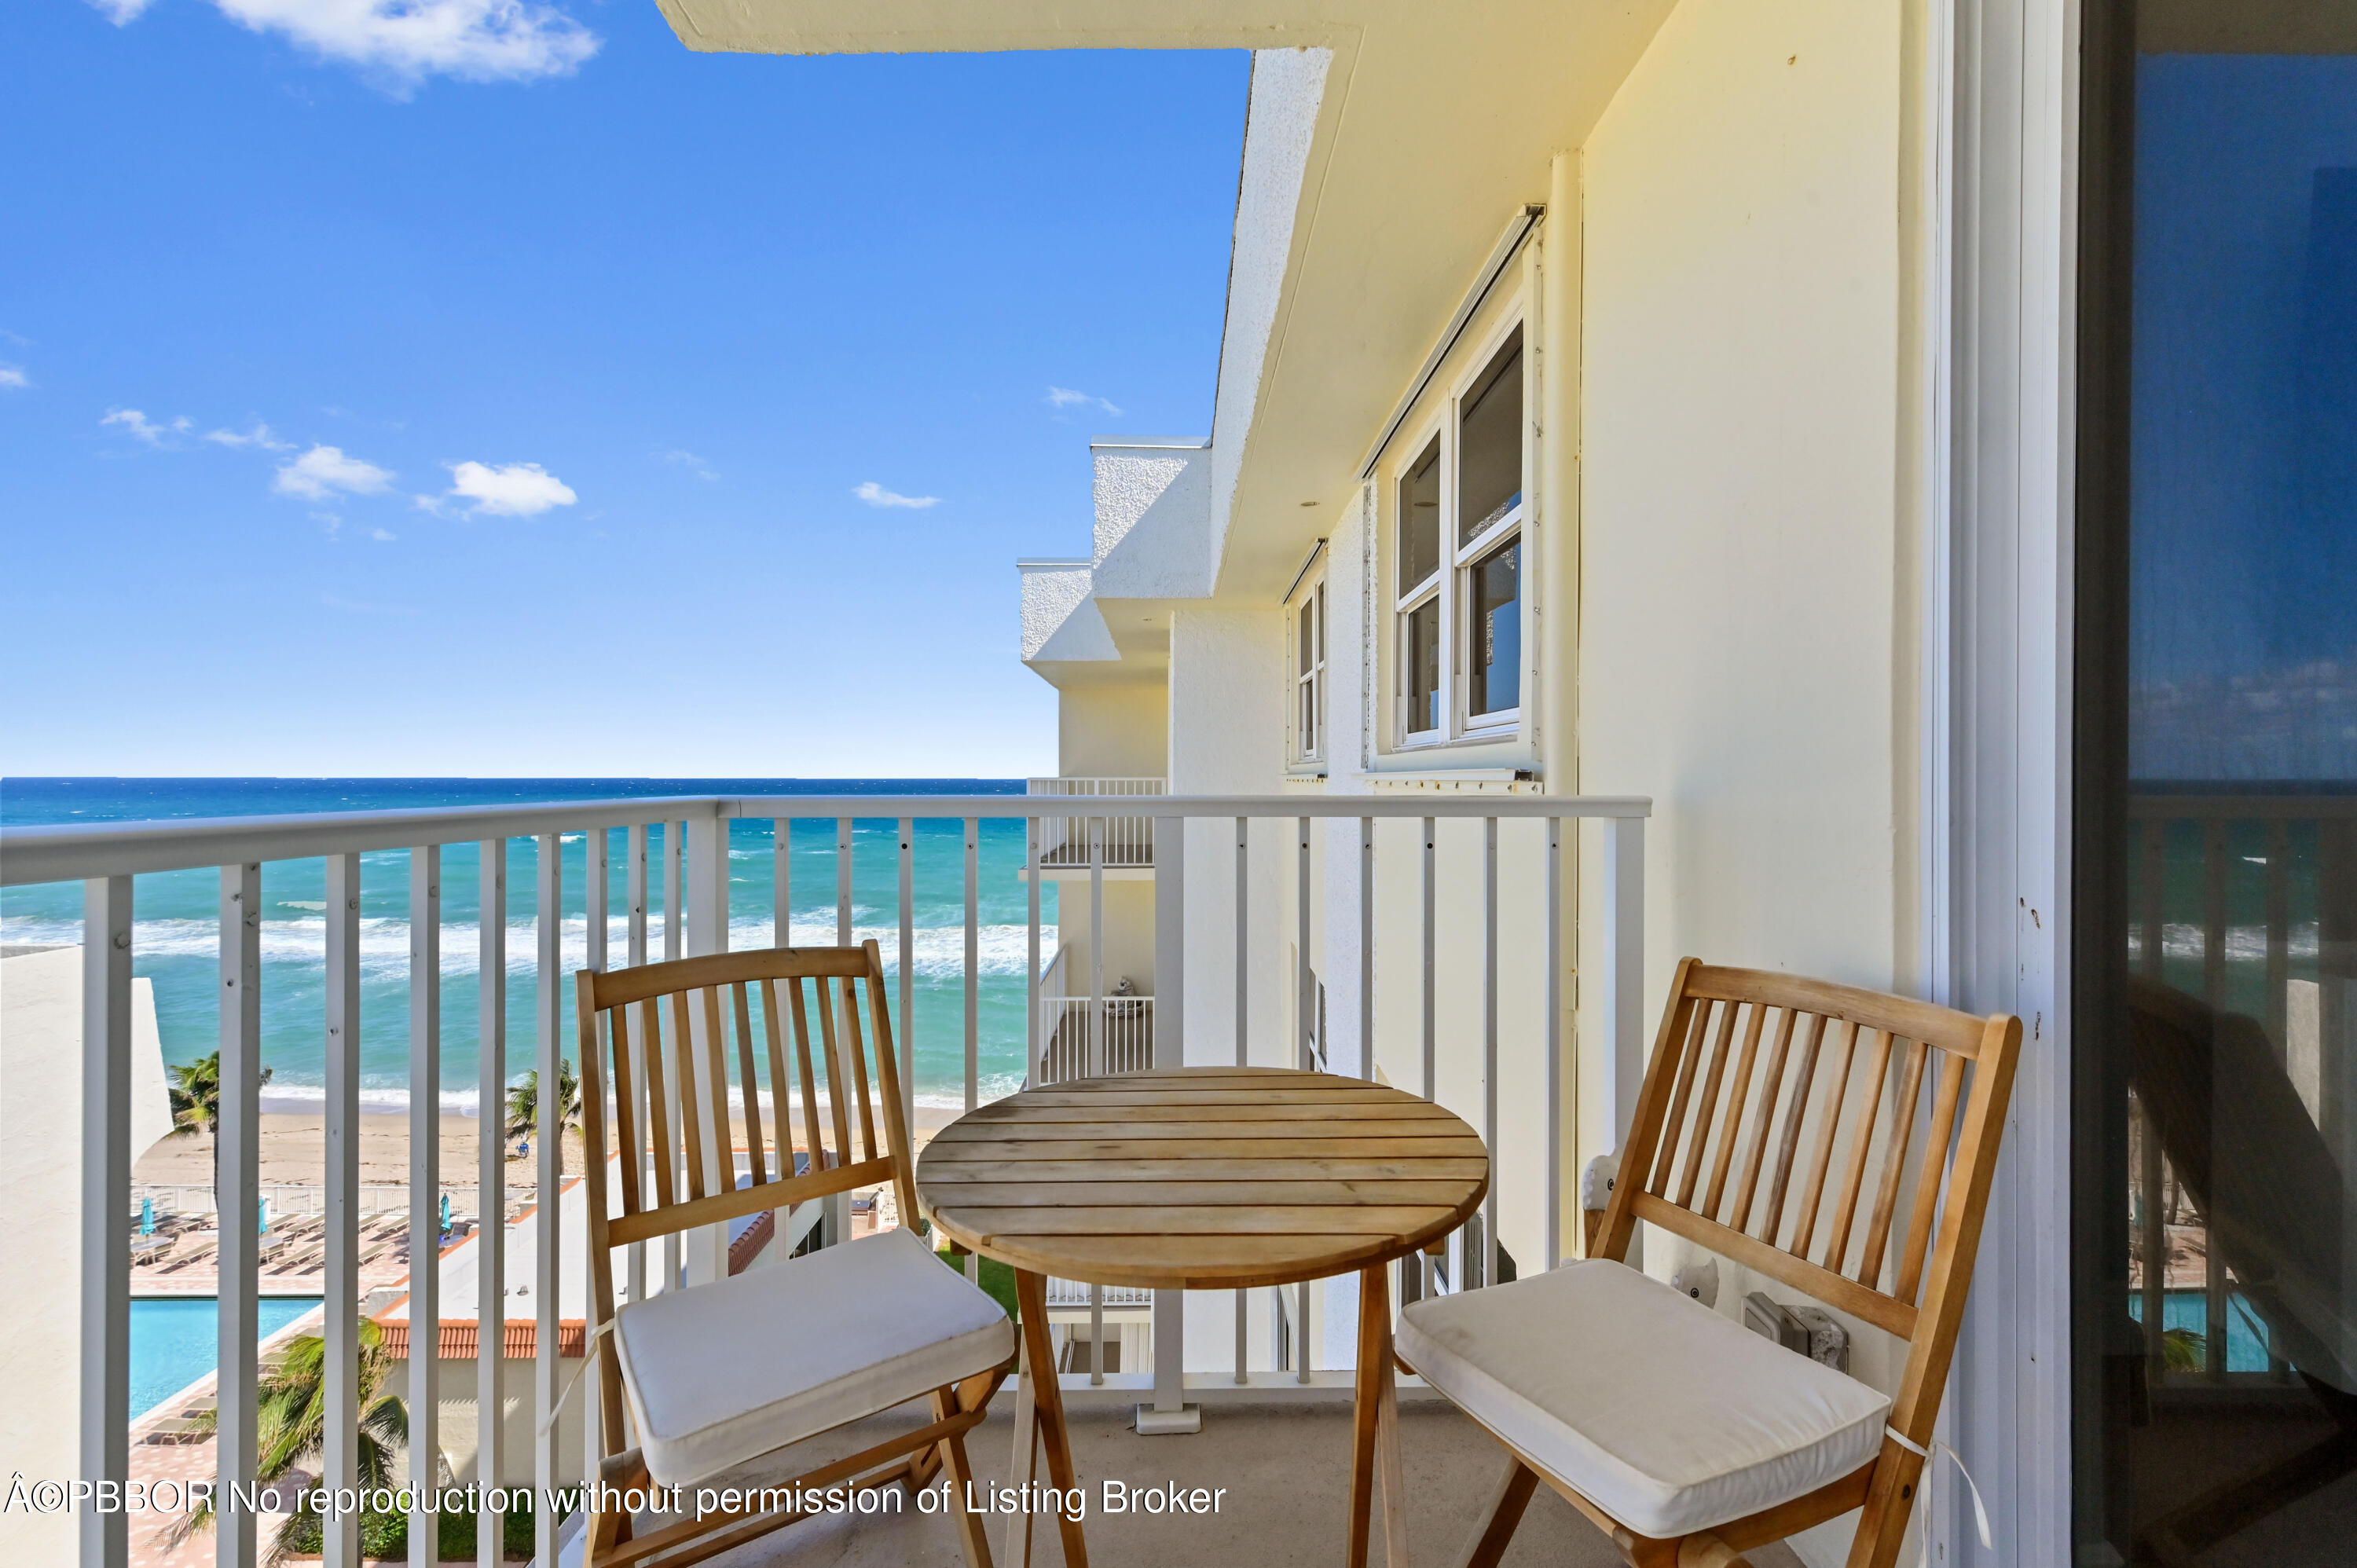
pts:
[1685, 1436]
[759, 1362]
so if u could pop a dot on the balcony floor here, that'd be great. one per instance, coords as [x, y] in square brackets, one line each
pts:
[1285, 1468]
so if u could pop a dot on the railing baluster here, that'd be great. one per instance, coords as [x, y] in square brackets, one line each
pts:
[1244, 1036]
[842, 883]
[1557, 1173]
[973, 964]
[908, 978]
[1033, 1071]
[1094, 1020]
[634, 872]
[1490, 1044]
[2213, 912]
[548, 1147]
[781, 882]
[1304, 985]
[340, 1280]
[106, 1209]
[1367, 948]
[237, 1208]
[425, 1192]
[674, 854]
[1431, 962]
[2280, 935]
[596, 885]
[490, 1181]
[1623, 883]
[2154, 874]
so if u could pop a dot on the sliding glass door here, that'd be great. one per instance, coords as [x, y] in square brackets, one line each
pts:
[2214, 1206]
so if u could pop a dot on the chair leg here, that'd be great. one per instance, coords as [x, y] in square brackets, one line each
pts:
[1031, 1296]
[1708, 1551]
[1488, 1542]
[971, 1538]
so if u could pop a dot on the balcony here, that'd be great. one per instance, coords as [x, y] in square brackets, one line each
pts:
[1264, 929]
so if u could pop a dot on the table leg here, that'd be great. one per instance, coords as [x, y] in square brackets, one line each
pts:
[1024, 1470]
[1374, 1428]
[1031, 1298]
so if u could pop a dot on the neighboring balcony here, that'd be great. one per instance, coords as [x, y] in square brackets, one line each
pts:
[1119, 848]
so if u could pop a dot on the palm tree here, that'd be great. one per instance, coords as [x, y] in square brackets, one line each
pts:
[291, 1411]
[196, 1089]
[523, 1101]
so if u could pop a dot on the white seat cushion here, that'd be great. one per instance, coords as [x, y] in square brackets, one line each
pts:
[1664, 1415]
[723, 1372]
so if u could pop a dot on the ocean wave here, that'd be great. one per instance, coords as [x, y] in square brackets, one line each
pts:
[938, 952]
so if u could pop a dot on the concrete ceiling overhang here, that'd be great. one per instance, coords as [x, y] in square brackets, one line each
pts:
[1436, 126]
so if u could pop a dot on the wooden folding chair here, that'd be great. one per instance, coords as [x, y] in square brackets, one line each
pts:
[710, 1377]
[1681, 1434]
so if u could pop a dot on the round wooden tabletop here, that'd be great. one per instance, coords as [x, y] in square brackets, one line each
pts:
[1202, 1178]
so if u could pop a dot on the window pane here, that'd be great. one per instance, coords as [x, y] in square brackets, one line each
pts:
[1496, 628]
[1308, 636]
[1423, 672]
[1489, 445]
[1419, 523]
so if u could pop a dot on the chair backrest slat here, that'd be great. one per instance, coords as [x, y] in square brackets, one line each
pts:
[1771, 1084]
[1805, 1223]
[1737, 1090]
[855, 1052]
[1861, 1143]
[626, 1107]
[1697, 1021]
[1705, 1104]
[1788, 1147]
[838, 1093]
[682, 1090]
[659, 1079]
[781, 1083]
[1819, 1099]
[816, 1151]
[713, 1061]
[749, 1083]
[1894, 1164]
[1927, 1180]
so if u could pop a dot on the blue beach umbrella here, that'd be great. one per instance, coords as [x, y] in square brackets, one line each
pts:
[264, 1205]
[445, 1211]
[146, 1217]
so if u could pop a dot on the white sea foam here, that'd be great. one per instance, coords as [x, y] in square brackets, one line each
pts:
[938, 952]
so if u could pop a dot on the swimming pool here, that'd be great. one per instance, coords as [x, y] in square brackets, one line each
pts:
[174, 1340]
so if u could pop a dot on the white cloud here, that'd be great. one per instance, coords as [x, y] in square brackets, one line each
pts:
[121, 12]
[1065, 397]
[382, 535]
[688, 460]
[14, 378]
[145, 429]
[875, 494]
[405, 41]
[512, 490]
[259, 435]
[320, 473]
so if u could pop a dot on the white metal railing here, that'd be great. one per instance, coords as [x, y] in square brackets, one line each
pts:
[2234, 898]
[692, 866]
[1121, 843]
[1088, 1037]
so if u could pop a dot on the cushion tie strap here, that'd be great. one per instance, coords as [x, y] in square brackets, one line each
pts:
[1980, 1513]
[589, 1355]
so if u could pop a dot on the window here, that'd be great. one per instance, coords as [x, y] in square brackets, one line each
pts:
[1458, 562]
[1309, 675]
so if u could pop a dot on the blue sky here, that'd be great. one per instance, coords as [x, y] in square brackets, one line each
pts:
[491, 388]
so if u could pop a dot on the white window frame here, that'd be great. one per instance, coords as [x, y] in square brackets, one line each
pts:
[1310, 687]
[1451, 584]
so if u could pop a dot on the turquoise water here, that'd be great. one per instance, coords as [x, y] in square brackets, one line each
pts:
[2246, 1346]
[176, 935]
[175, 1341]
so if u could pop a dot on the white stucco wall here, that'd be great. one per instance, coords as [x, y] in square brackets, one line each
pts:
[1739, 515]
[41, 1221]
[1060, 621]
[1153, 505]
[1286, 87]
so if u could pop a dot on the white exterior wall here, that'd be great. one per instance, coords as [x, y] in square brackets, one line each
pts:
[1744, 648]
[40, 1222]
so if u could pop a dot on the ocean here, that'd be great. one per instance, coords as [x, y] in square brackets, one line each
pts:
[176, 934]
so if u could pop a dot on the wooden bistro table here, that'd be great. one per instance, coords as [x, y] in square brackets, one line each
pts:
[1207, 1178]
